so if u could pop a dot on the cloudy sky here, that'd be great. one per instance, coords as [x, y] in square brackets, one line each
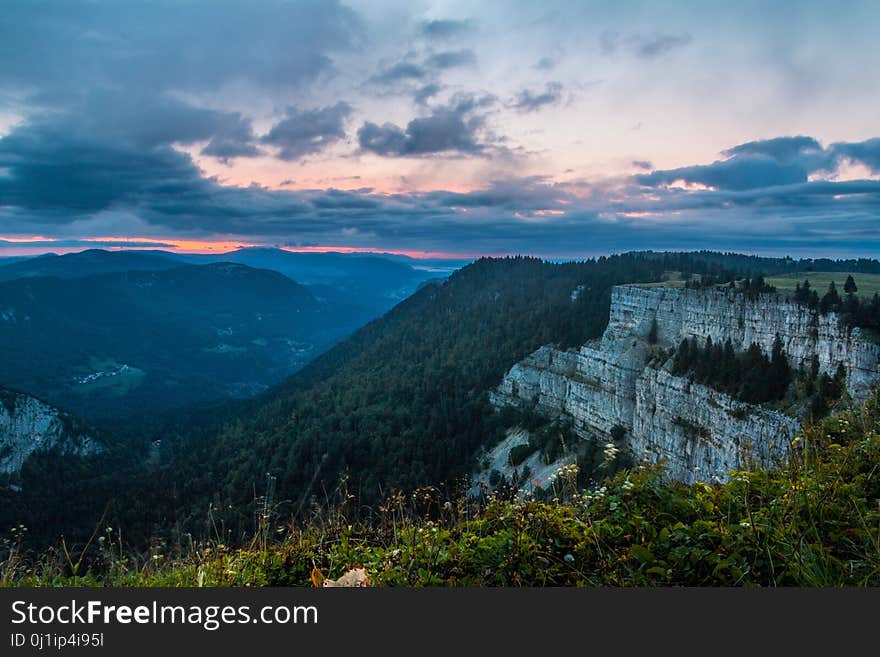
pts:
[561, 129]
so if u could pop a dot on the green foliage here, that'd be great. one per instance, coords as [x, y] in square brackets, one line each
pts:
[815, 522]
[750, 376]
[850, 287]
[824, 390]
[520, 453]
[855, 310]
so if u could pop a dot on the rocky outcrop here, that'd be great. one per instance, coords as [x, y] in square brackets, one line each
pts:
[699, 432]
[28, 425]
[725, 314]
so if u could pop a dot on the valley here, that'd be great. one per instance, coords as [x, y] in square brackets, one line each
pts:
[102, 332]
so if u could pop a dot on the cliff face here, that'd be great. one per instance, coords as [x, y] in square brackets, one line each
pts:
[723, 314]
[700, 432]
[703, 434]
[28, 425]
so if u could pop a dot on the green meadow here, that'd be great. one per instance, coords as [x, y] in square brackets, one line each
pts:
[869, 284]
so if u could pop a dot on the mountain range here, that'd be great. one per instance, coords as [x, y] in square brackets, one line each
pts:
[373, 282]
[105, 332]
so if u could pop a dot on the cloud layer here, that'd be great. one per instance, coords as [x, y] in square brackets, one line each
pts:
[494, 130]
[303, 132]
[770, 163]
[450, 129]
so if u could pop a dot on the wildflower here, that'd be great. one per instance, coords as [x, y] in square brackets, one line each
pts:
[628, 485]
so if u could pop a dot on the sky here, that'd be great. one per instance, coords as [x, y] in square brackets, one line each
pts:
[559, 129]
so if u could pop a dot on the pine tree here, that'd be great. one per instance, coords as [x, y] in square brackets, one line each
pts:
[729, 367]
[852, 301]
[779, 370]
[681, 365]
[704, 365]
[831, 300]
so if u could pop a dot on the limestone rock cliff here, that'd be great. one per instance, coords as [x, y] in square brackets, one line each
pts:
[28, 425]
[699, 432]
[722, 314]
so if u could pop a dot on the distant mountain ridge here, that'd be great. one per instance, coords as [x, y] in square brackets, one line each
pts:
[86, 263]
[374, 282]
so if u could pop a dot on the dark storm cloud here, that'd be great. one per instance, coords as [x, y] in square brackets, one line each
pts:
[781, 148]
[806, 196]
[116, 72]
[530, 101]
[737, 173]
[303, 132]
[149, 120]
[453, 129]
[444, 29]
[235, 143]
[87, 244]
[81, 44]
[866, 152]
[452, 59]
[515, 195]
[769, 163]
[334, 199]
[406, 72]
[55, 167]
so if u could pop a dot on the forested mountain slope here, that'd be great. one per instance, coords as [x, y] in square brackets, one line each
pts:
[403, 401]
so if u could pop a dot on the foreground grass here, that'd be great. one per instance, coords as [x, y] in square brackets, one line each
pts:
[815, 522]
